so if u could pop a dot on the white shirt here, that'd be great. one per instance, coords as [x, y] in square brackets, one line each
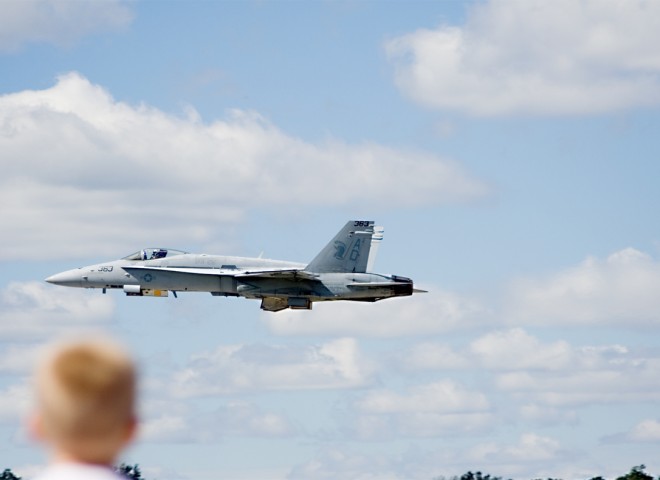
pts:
[78, 471]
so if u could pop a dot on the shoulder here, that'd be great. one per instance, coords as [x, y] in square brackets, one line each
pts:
[75, 471]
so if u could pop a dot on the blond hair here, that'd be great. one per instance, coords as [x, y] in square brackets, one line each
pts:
[86, 398]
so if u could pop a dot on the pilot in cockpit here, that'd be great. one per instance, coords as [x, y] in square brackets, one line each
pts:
[159, 253]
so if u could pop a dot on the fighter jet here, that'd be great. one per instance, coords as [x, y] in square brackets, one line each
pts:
[338, 272]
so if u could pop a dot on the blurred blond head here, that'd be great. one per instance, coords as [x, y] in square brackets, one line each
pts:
[85, 399]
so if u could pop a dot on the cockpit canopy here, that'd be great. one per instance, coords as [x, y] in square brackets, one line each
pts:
[153, 254]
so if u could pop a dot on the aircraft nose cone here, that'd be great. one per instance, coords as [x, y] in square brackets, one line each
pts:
[70, 278]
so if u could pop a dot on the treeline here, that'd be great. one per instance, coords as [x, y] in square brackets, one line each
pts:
[133, 472]
[635, 473]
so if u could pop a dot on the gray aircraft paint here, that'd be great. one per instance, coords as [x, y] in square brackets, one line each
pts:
[338, 272]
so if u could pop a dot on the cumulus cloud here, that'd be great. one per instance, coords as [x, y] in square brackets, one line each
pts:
[431, 356]
[32, 310]
[625, 380]
[429, 410]
[79, 163]
[546, 380]
[530, 447]
[444, 396]
[433, 312]
[332, 463]
[412, 464]
[529, 456]
[15, 402]
[234, 419]
[18, 358]
[517, 349]
[249, 368]
[544, 416]
[531, 451]
[510, 350]
[646, 431]
[57, 21]
[619, 290]
[535, 57]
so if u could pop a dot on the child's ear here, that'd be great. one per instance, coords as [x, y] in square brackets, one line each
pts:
[35, 426]
[131, 430]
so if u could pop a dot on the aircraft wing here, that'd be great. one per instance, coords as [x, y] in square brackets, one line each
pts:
[283, 274]
[206, 270]
[183, 270]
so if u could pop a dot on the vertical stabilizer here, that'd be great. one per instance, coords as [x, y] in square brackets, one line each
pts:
[348, 251]
[376, 239]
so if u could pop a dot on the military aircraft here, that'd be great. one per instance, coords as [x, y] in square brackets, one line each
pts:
[338, 272]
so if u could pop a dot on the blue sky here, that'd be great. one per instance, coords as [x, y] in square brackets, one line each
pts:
[509, 149]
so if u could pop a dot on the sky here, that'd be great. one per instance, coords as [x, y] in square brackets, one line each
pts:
[509, 148]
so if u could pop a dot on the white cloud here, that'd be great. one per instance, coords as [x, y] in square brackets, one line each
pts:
[530, 447]
[535, 57]
[516, 349]
[60, 22]
[620, 290]
[429, 410]
[249, 368]
[333, 463]
[646, 431]
[30, 310]
[544, 378]
[165, 428]
[443, 396]
[530, 456]
[18, 358]
[15, 402]
[532, 451]
[427, 313]
[431, 356]
[544, 415]
[512, 350]
[235, 419]
[80, 163]
[621, 381]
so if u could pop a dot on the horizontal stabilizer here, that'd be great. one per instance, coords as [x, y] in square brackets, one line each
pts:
[367, 285]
